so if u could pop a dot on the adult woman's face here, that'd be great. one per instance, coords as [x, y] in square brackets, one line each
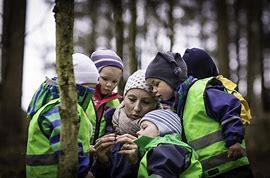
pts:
[138, 102]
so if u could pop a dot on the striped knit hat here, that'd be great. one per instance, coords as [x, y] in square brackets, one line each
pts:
[137, 80]
[166, 121]
[106, 57]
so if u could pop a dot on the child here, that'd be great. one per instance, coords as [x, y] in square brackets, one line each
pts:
[43, 145]
[110, 68]
[211, 116]
[200, 65]
[162, 151]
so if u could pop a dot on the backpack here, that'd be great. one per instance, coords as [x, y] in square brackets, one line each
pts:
[232, 89]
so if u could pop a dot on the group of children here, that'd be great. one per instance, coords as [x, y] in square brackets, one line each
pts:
[200, 135]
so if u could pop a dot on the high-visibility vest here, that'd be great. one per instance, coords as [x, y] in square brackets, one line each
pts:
[194, 169]
[204, 134]
[41, 160]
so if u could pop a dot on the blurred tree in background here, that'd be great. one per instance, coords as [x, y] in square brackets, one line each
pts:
[11, 116]
[236, 33]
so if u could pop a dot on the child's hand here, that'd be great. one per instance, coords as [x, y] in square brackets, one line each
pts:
[103, 146]
[236, 151]
[129, 148]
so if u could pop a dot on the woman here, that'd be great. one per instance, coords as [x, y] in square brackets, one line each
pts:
[138, 100]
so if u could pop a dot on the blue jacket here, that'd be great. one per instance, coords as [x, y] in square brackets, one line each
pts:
[49, 123]
[118, 166]
[219, 105]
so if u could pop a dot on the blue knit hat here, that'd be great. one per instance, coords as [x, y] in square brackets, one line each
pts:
[166, 121]
[106, 57]
[199, 63]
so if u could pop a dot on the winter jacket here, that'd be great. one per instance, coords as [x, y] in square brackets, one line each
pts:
[167, 156]
[211, 123]
[44, 131]
[43, 145]
[102, 104]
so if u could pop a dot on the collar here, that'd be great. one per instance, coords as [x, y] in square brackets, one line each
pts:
[100, 99]
[181, 94]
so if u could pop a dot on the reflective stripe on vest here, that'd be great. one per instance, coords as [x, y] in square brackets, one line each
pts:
[41, 160]
[206, 140]
[216, 160]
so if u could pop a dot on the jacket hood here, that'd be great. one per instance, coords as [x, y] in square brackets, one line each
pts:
[48, 91]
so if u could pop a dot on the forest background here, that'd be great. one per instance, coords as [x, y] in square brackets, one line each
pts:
[236, 33]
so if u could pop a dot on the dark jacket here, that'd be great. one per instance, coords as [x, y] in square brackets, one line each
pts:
[219, 105]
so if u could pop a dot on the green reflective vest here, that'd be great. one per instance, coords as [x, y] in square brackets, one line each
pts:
[204, 134]
[99, 128]
[41, 160]
[194, 170]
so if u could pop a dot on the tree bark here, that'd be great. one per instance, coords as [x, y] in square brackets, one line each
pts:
[11, 71]
[64, 18]
[92, 10]
[119, 35]
[236, 7]
[171, 23]
[254, 48]
[133, 63]
[222, 38]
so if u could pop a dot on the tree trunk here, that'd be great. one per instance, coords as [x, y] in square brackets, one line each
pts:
[222, 38]
[119, 31]
[254, 48]
[11, 62]
[265, 95]
[92, 10]
[11, 70]
[64, 17]
[202, 21]
[236, 7]
[133, 64]
[171, 23]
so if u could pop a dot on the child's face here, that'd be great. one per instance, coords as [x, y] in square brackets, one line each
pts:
[138, 102]
[109, 78]
[160, 88]
[148, 129]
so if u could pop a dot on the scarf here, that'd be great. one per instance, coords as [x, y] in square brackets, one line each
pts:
[123, 124]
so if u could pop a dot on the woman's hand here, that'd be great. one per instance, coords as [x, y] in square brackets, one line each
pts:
[129, 148]
[103, 147]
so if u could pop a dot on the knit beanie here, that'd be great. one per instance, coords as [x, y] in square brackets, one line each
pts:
[169, 67]
[85, 71]
[199, 63]
[166, 121]
[106, 57]
[137, 80]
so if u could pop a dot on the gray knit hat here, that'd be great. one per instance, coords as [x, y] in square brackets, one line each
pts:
[137, 80]
[169, 67]
[106, 57]
[166, 121]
